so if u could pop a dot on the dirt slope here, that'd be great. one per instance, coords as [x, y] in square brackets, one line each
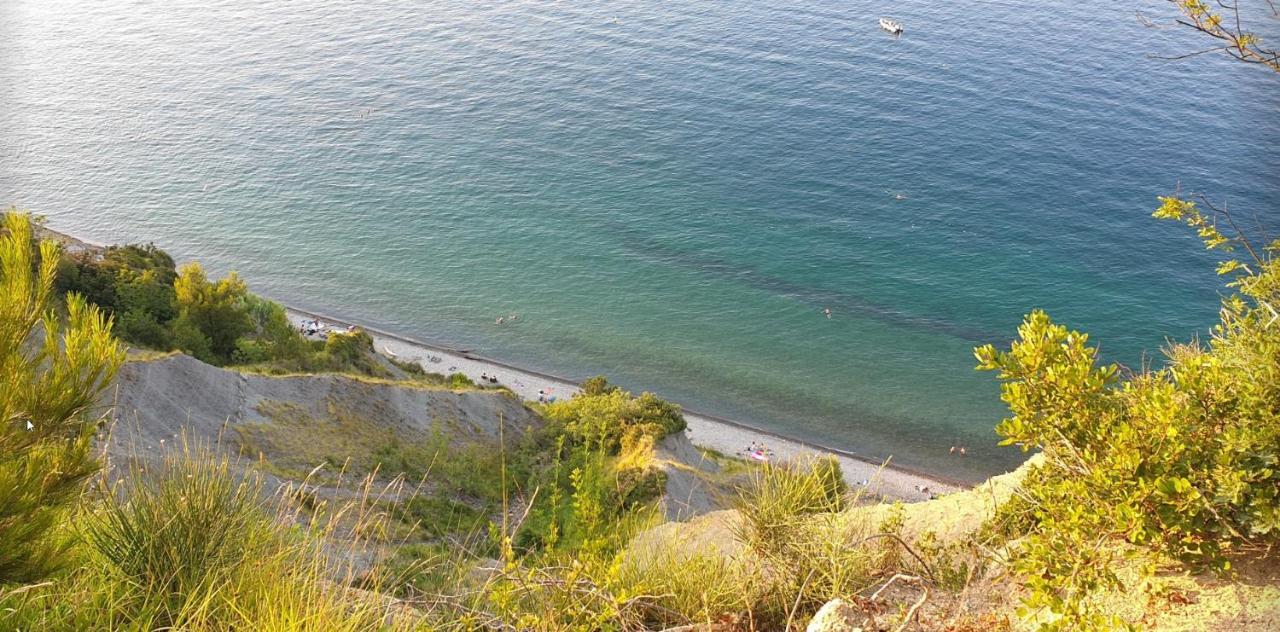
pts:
[162, 400]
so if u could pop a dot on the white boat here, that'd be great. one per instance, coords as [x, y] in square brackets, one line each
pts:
[891, 26]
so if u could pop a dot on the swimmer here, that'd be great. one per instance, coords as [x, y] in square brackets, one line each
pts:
[827, 311]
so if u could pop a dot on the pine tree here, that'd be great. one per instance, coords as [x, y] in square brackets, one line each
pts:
[51, 377]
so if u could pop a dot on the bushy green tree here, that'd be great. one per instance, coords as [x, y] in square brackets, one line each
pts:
[217, 310]
[598, 385]
[1182, 462]
[605, 415]
[132, 283]
[51, 375]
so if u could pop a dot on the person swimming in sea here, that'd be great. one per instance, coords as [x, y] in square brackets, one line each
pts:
[827, 312]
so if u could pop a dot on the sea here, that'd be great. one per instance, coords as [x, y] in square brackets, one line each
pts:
[668, 193]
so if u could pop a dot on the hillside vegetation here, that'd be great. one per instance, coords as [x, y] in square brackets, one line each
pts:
[319, 486]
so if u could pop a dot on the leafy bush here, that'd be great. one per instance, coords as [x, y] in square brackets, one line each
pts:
[1183, 461]
[597, 385]
[141, 327]
[350, 349]
[52, 376]
[603, 415]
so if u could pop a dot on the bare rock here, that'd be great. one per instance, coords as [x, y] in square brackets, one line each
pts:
[836, 615]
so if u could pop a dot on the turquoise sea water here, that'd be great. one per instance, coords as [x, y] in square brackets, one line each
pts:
[667, 193]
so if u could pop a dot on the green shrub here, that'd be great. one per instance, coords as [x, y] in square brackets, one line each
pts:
[602, 472]
[81, 274]
[187, 337]
[349, 349]
[1181, 461]
[597, 385]
[141, 327]
[609, 415]
[134, 283]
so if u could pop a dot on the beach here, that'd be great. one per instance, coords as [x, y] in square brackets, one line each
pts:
[706, 431]
[725, 436]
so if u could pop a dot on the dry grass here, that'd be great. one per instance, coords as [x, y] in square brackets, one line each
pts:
[191, 544]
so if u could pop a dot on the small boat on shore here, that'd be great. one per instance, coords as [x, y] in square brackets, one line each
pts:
[891, 26]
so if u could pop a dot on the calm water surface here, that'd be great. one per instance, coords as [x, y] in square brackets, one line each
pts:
[667, 193]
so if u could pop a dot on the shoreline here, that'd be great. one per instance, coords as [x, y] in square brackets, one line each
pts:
[705, 430]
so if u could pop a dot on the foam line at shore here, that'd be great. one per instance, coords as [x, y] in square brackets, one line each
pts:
[708, 431]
